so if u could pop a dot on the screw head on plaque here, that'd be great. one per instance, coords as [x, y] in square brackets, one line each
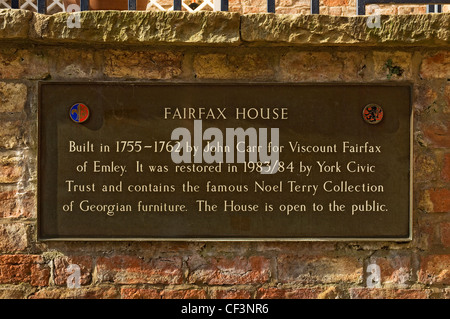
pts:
[79, 113]
[373, 113]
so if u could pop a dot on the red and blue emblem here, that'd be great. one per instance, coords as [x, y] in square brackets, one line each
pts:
[79, 113]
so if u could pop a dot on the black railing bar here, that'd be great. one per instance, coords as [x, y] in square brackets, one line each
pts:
[315, 4]
[176, 5]
[361, 4]
[271, 6]
[222, 5]
[131, 4]
[434, 8]
[84, 5]
[42, 6]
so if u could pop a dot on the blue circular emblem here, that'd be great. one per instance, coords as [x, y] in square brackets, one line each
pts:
[79, 113]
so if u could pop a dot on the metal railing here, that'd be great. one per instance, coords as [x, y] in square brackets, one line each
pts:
[361, 4]
[222, 5]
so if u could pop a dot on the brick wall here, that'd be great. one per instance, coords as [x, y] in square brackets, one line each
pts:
[258, 48]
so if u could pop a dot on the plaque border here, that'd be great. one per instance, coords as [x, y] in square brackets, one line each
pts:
[409, 238]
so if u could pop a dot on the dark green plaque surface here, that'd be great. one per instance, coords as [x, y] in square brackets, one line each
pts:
[99, 179]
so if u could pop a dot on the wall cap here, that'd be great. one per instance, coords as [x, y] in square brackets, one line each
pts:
[223, 28]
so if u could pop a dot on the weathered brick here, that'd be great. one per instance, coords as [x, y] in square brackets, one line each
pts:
[426, 232]
[309, 66]
[425, 97]
[319, 269]
[74, 64]
[392, 65]
[447, 98]
[140, 293]
[11, 168]
[445, 174]
[13, 237]
[284, 293]
[13, 292]
[438, 200]
[228, 271]
[426, 167]
[447, 293]
[445, 234]
[434, 269]
[233, 66]
[395, 269]
[438, 132]
[23, 64]
[184, 294]
[77, 293]
[150, 293]
[230, 293]
[17, 205]
[135, 270]
[335, 3]
[322, 66]
[10, 134]
[32, 269]
[13, 97]
[412, 9]
[143, 64]
[381, 293]
[436, 66]
[61, 272]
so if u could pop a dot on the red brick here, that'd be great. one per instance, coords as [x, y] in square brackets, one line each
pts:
[381, 293]
[62, 263]
[395, 269]
[434, 269]
[231, 293]
[436, 66]
[13, 237]
[140, 293]
[11, 169]
[16, 205]
[184, 294]
[223, 271]
[277, 293]
[135, 270]
[445, 234]
[150, 293]
[335, 3]
[446, 168]
[447, 97]
[440, 199]
[32, 269]
[438, 132]
[319, 269]
[425, 97]
[412, 9]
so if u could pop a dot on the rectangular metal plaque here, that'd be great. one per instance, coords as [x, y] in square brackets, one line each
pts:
[244, 161]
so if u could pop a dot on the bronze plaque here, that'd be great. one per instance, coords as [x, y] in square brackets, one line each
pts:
[241, 161]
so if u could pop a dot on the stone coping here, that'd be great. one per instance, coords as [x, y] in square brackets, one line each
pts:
[223, 28]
